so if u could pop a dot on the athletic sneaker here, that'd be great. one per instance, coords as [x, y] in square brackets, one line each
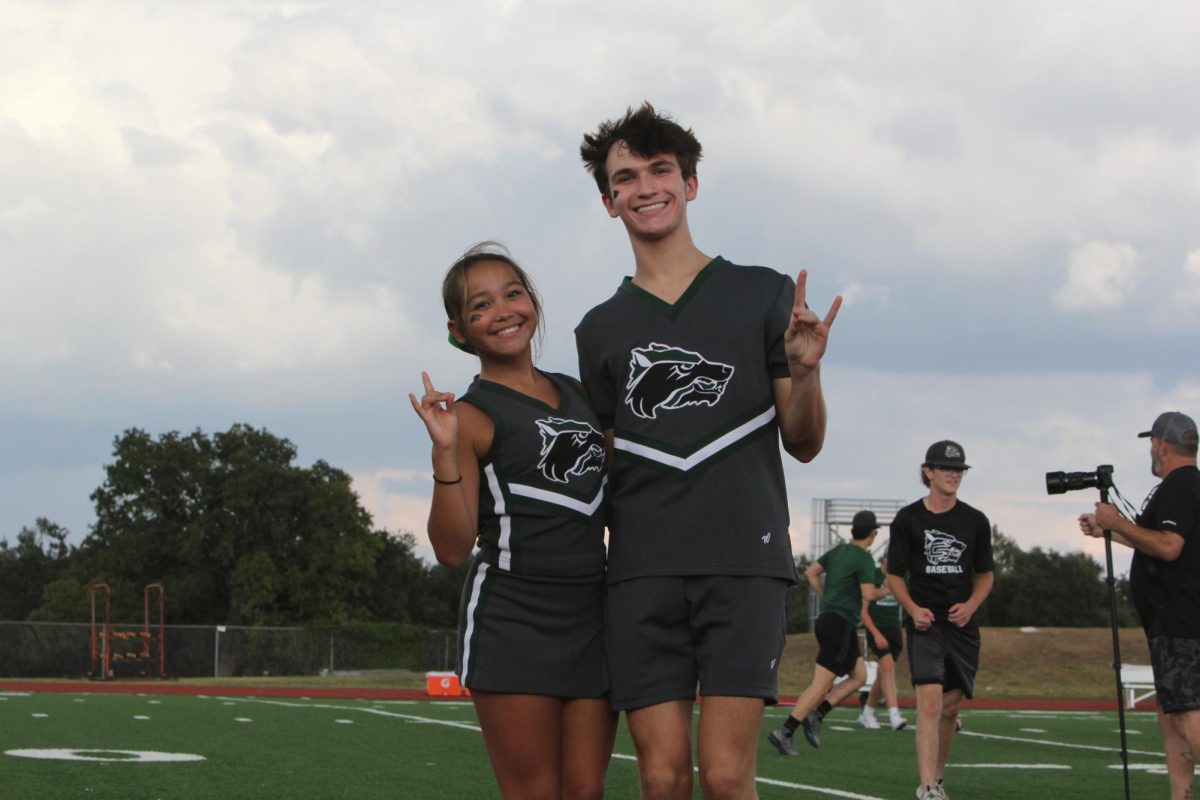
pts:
[942, 788]
[812, 729]
[931, 793]
[899, 723]
[781, 740]
[868, 721]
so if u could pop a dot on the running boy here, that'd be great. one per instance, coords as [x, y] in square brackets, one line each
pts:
[697, 369]
[844, 580]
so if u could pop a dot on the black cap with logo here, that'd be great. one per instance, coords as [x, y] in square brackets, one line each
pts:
[946, 454]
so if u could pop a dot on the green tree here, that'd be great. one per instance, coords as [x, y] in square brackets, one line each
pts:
[1047, 588]
[438, 605]
[40, 555]
[236, 531]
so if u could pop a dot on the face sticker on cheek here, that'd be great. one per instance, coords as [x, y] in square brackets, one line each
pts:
[474, 318]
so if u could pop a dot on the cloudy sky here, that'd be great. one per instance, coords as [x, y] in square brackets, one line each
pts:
[240, 212]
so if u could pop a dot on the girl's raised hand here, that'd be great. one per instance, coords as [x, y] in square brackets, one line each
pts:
[436, 410]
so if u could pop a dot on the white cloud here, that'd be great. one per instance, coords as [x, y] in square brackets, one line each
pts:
[1190, 291]
[219, 212]
[1100, 275]
[856, 292]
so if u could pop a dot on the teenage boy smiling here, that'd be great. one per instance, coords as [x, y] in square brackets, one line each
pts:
[699, 370]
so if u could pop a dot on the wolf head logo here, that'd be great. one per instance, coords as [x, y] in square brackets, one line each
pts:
[569, 447]
[664, 377]
[942, 548]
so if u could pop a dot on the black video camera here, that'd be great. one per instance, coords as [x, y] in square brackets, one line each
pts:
[1061, 482]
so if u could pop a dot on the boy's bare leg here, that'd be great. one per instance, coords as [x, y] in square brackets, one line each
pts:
[728, 742]
[662, 737]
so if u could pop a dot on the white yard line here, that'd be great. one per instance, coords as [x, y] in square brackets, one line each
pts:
[1009, 766]
[1052, 743]
[619, 756]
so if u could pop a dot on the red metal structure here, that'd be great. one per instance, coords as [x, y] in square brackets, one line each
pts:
[153, 642]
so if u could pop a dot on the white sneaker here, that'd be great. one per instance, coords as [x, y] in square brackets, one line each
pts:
[898, 722]
[868, 721]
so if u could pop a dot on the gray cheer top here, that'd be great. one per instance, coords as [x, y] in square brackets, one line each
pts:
[541, 488]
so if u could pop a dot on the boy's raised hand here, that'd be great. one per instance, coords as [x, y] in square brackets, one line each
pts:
[807, 335]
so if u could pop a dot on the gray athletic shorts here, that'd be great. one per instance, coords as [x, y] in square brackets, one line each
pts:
[837, 640]
[945, 654]
[667, 634]
[1176, 665]
[524, 636]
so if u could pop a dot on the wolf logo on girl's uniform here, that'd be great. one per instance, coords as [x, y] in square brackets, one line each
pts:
[665, 377]
[569, 447]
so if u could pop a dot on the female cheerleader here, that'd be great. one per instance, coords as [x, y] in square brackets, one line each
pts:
[519, 470]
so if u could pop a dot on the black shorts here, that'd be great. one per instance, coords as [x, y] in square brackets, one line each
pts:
[944, 654]
[1176, 664]
[838, 641]
[667, 634]
[524, 636]
[895, 643]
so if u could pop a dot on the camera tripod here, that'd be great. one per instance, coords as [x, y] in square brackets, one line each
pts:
[1116, 643]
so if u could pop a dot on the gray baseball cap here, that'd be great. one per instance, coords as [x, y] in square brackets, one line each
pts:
[1172, 426]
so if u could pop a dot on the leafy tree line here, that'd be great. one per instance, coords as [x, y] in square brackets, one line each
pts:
[1040, 587]
[238, 534]
[241, 535]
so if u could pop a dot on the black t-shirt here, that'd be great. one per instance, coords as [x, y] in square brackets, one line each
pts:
[1167, 593]
[940, 554]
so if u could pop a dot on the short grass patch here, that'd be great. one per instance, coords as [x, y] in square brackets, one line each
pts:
[270, 748]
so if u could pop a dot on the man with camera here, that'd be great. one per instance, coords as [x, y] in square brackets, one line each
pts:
[944, 548]
[1164, 580]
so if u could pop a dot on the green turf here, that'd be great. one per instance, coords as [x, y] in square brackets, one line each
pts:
[269, 748]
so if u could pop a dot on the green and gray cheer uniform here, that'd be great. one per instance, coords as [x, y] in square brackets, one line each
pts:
[687, 390]
[531, 618]
[699, 556]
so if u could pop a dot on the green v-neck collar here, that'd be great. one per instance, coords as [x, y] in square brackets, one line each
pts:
[500, 388]
[673, 310]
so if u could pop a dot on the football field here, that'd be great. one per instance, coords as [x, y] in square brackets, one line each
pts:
[180, 747]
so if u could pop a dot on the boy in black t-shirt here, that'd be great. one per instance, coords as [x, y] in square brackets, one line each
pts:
[944, 548]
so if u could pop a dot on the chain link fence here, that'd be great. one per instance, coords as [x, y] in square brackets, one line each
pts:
[64, 650]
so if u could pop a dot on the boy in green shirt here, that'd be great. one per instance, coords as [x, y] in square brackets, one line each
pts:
[849, 583]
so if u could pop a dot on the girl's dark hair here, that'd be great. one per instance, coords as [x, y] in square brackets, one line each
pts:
[454, 285]
[648, 133]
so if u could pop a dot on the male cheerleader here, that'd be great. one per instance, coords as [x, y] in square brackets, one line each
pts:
[698, 369]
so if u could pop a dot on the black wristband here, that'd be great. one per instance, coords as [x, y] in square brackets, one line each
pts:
[436, 479]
